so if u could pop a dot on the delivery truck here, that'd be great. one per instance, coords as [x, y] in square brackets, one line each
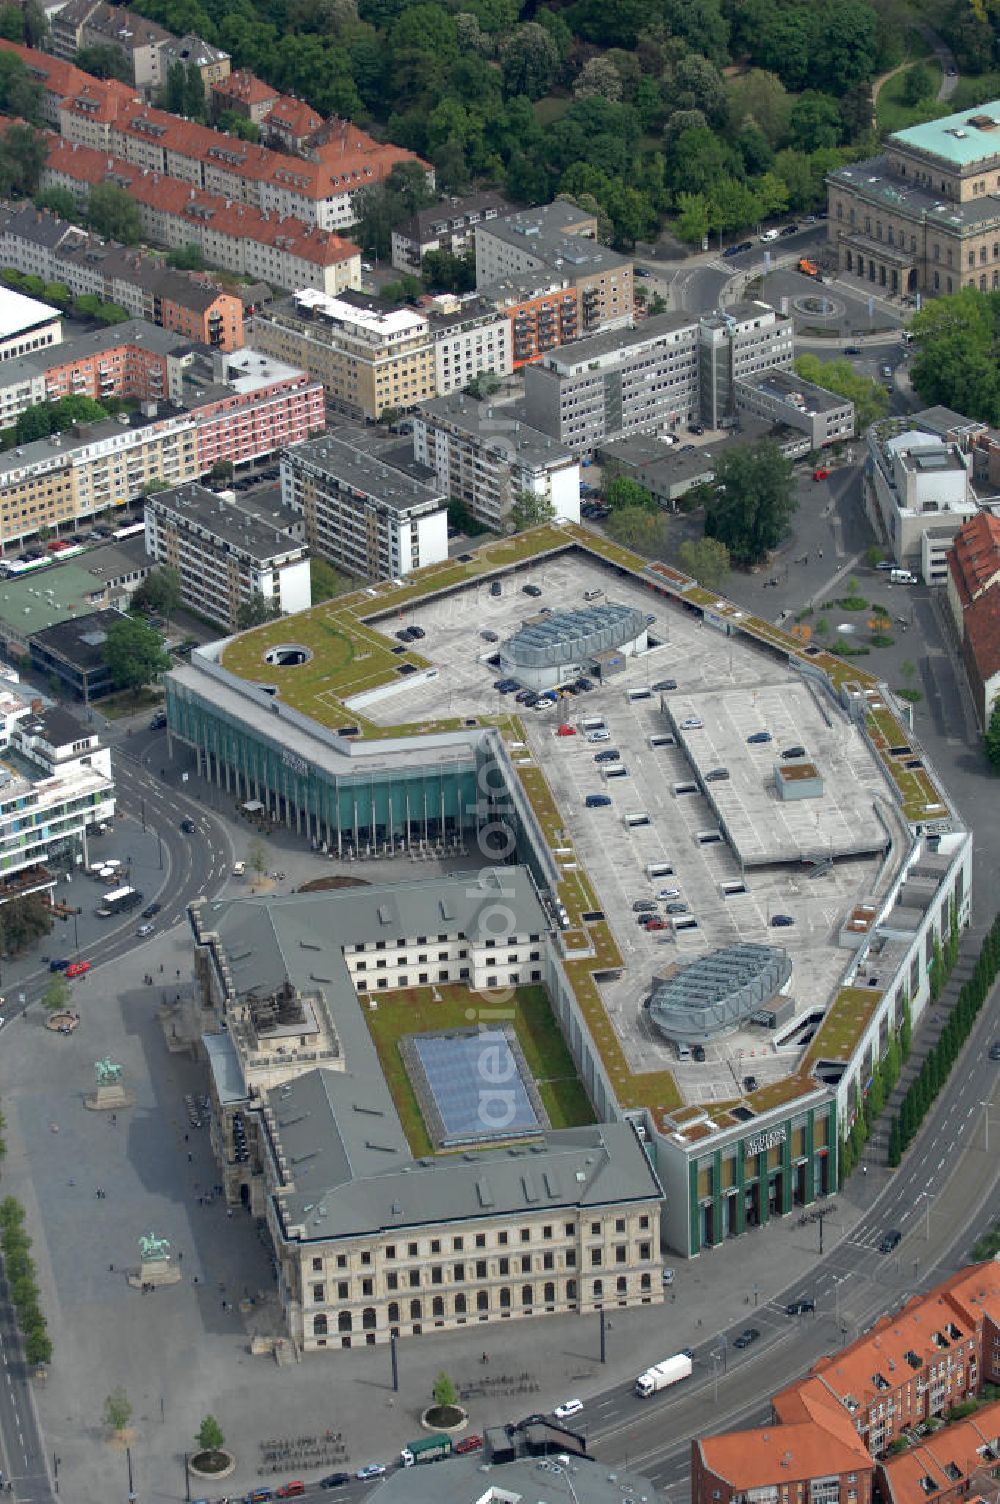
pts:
[662, 1375]
[427, 1449]
[119, 901]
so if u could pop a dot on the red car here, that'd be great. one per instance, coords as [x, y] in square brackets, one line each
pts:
[656, 924]
[469, 1444]
[57, 545]
[77, 968]
[821, 474]
[566, 731]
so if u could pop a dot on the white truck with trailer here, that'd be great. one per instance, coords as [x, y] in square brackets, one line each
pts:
[662, 1375]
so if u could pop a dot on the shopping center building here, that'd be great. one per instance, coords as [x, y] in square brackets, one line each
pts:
[369, 747]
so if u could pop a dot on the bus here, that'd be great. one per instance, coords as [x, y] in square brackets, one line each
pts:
[118, 901]
[130, 530]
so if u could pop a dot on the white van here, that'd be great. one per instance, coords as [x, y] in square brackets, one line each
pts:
[902, 577]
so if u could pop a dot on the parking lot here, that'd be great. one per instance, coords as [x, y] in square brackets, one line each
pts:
[736, 692]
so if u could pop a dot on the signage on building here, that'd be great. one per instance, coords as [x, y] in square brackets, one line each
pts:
[765, 1141]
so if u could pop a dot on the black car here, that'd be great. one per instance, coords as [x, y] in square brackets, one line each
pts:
[335, 1480]
[159, 721]
[490, 636]
[794, 752]
[677, 908]
[781, 921]
[151, 909]
[403, 634]
[696, 428]
[532, 590]
[643, 905]
[188, 827]
[799, 1307]
[417, 632]
[749, 1083]
[788, 230]
[610, 754]
[747, 1337]
[663, 684]
[698, 1052]
[995, 1050]
[496, 588]
[852, 349]
[891, 1240]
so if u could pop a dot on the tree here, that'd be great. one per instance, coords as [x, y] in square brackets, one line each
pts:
[222, 470]
[37, 1346]
[210, 1437]
[56, 993]
[992, 740]
[134, 654]
[19, 94]
[958, 352]
[598, 76]
[445, 1392]
[117, 1410]
[638, 528]
[529, 61]
[160, 592]
[58, 201]
[531, 509]
[325, 581]
[187, 258]
[626, 492]
[706, 560]
[753, 502]
[114, 214]
[257, 858]
[256, 611]
[918, 85]
[895, 1144]
[103, 62]
[870, 398]
[443, 271]
[760, 97]
[22, 157]
[692, 223]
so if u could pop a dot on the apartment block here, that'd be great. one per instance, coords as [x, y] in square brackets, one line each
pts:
[228, 549]
[736, 345]
[542, 312]
[55, 784]
[134, 361]
[190, 51]
[567, 1222]
[911, 1367]
[239, 407]
[285, 252]
[642, 380]
[557, 241]
[244, 94]
[91, 23]
[449, 226]
[26, 325]
[363, 512]
[469, 337]
[923, 216]
[483, 455]
[782, 397]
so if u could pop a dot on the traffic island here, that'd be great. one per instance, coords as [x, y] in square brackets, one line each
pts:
[217, 1463]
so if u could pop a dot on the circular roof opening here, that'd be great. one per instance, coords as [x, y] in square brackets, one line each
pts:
[287, 655]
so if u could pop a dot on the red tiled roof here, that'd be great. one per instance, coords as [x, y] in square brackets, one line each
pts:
[246, 86]
[51, 72]
[293, 115]
[938, 1456]
[974, 558]
[754, 1459]
[982, 629]
[172, 196]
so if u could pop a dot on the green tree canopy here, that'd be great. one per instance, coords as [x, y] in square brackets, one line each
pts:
[210, 1437]
[256, 611]
[117, 1410]
[626, 492]
[870, 398]
[56, 993]
[103, 62]
[706, 560]
[530, 510]
[753, 501]
[992, 740]
[114, 214]
[640, 529]
[160, 592]
[22, 158]
[445, 1392]
[134, 654]
[957, 358]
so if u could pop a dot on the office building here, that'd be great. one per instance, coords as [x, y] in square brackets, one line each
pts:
[558, 240]
[90, 581]
[922, 216]
[26, 325]
[642, 380]
[228, 549]
[39, 243]
[406, 1245]
[917, 494]
[71, 653]
[362, 512]
[448, 226]
[855, 1406]
[484, 456]
[56, 783]
[373, 356]
[736, 345]
[782, 398]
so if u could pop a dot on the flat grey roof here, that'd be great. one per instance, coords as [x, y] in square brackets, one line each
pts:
[336, 453]
[873, 180]
[501, 426]
[542, 233]
[529, 1480]
[786, 385]
[579, 351]
[261, 526]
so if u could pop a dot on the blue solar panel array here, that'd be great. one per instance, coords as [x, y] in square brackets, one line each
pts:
[476, 1085]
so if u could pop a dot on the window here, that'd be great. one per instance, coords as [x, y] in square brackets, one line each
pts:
[621, 1253]
[392, 1281]
[526, 1295]
[502, 1239]
[366, 1259]
[366, 1287]
[317, 1265]
[411, 1249]
[644, 1222]
[414, 1279]
[480, 1240]
[503, 1267]
[414, 1310]
[480, 1268]
[571, 1258]
[644, 1251]
[435, 1245]
[436, 1274]
[595, 1258]
[482, 1300]
[598, 1288]
[619, 1224]
[595, 1229]
[525, 1234]
[570, 1229]
[457, 1245]
[319, 1294]
[548, 1261]
[342, 1288]
[458, 1274]
[341, 1260]
[390, 1251]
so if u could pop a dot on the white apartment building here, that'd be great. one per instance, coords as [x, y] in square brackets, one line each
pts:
[469, 337]
[642, 380]
[55, 783]
[484, 455]
[360, 511]
[917, 492]
[737, 344]
[228, 549]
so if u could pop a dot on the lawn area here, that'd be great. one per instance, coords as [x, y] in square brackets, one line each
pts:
[975, 88]
[415, 1010]
[843, 1025]
[894, 115]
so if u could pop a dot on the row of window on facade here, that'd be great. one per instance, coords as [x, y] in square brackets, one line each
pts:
[416, 1250]
[461, 1307]
[525, 1265]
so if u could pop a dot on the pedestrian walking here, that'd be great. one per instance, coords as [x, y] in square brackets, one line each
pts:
[190, 1158]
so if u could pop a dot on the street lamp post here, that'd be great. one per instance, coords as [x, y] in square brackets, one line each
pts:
[927, 1211]
[715, 1376]
[131, 1489]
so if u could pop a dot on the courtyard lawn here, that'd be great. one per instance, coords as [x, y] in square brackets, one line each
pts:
[423, 1010]
[894, 115]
